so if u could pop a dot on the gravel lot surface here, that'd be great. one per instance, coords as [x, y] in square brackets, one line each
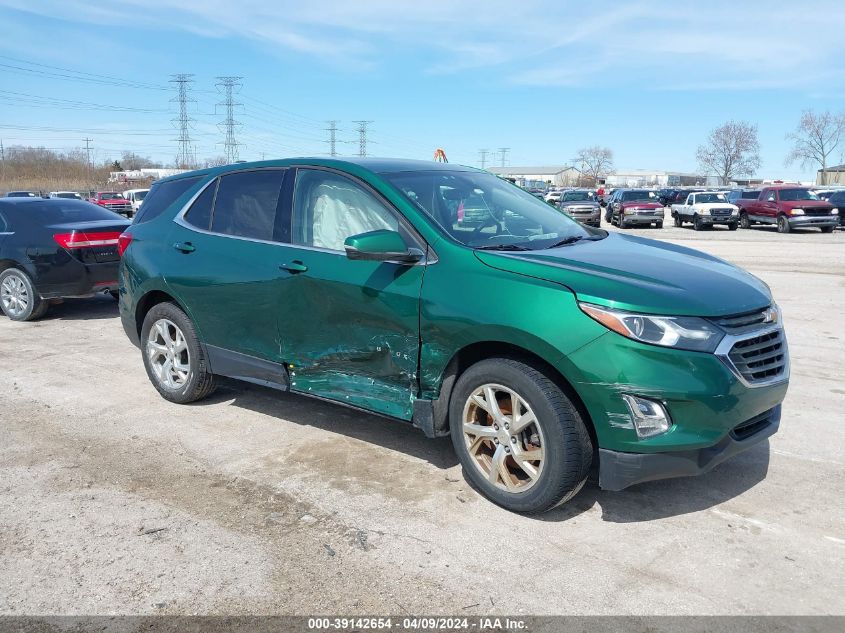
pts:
[113, 501]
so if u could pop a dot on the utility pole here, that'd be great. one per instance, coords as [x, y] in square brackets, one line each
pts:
[332, 141]
[228, 86]
[2, 163]
[503, 151]
[185, 155]
[88, 154]
[362, 137]
[483, 154]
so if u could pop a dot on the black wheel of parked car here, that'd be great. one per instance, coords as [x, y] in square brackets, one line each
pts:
[783, 224]
[173, 357]
[658, 225]
[744, 221]
[19, 298]
[519, 438]
[827, 229]
[697, 224]
[733, 226]
[677, 220]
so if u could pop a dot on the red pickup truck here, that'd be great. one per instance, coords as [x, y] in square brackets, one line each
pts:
[789, 207]
[112, 201]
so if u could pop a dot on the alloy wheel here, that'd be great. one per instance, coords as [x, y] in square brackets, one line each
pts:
[14, 296]
[168, 354]
[503, 437]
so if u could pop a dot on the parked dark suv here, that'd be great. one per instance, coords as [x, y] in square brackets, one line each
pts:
[634, 207]
[525, 335]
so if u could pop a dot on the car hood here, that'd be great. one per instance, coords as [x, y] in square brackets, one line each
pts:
[642, 275]
[806, 204]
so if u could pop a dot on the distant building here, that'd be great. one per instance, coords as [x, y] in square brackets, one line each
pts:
[835, 175]
[653, 178]
[139, 175]
[556, 175]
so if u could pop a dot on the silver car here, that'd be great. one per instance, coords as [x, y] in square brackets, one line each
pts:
[582, 205]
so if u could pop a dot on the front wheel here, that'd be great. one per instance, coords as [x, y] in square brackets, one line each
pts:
[659, 225]
[732, 226]
[744, 221]
[19, 299]
[827, 229]
[520, 440]
[173, 356]
[783, 224]
[697, 224]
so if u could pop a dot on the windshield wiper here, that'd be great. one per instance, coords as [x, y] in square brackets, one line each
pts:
[502, 247]
[575, 238]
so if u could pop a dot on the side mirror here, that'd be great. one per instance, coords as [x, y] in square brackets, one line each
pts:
[381, 246]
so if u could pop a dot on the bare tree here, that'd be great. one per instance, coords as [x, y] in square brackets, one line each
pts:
[131, 161]
[815, 139]
[214, 161]
[731, 150]
[596, 162]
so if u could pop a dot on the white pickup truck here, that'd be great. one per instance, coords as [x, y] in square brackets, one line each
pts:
[706, 208]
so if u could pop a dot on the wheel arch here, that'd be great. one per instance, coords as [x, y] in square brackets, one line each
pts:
[475, 352]
[148, 301]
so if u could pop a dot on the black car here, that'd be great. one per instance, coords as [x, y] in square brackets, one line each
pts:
[22, 194]
[52, 249]
[837, 199]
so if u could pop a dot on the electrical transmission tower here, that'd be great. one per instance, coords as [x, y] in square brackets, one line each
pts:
[483, 154]
[228, 86]
[332, 130]
[185, 154]
[504, 154]
[362, 137]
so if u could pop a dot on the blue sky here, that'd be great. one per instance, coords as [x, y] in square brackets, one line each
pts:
[647, 79]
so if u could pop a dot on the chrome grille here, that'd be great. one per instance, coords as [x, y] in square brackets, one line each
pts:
[761, 358]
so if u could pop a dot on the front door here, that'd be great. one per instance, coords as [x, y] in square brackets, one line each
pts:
[349, 329]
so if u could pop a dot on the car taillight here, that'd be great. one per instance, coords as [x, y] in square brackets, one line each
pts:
[86, 240]
[123, 243]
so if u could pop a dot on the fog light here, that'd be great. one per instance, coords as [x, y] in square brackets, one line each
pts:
[649, 417]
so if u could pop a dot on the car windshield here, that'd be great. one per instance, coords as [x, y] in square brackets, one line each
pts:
[481, 210]
[111, 196]
[789, 195]
[632, 196]
[577, 196]
[139, 195]
[703, 198]
[68, 194]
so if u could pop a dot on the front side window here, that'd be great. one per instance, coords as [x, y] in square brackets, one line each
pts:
[328, 208]
[481, 210]
[246, 204]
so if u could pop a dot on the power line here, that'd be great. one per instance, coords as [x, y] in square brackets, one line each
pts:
[483, 154]
[332, 141]
[88, 154]
[185, 155]
[362, 137]
[228, 86]
[503, 153]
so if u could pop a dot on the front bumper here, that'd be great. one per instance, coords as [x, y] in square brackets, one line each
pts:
[718, 219]
[619, 470]
[641, 218]
[813, 220]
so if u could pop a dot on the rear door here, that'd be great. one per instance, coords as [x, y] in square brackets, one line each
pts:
[349, 329]
[223, 262]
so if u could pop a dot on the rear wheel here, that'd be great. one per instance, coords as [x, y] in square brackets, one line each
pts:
[827, 229]
[520, 440]
[173, 356]
[783, 224]
[19, 299]
[744, 221]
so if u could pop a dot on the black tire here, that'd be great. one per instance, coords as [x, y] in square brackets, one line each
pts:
[621, 223]
[733, 226]
[827, 229]
[568, 450]
[35, 307]
[678, 221]
[783, 224]
[114, 295]
[200, 381]
[659, 225]
[697, 224]
[744, 221]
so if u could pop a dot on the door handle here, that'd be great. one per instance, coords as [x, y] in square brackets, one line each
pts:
[294, 267]
[185, 247]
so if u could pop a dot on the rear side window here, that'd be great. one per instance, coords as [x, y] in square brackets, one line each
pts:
[751, 194]
[199, 215]
[161, 196]
[246, 204]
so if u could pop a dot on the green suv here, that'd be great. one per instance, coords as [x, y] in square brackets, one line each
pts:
[446, 297]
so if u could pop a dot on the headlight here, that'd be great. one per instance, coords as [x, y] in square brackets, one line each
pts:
[735, 212]
[796, 212]
[704, 212]
[834, 211]
[690, 333]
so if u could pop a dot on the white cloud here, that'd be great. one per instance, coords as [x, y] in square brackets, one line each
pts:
[719, 44]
